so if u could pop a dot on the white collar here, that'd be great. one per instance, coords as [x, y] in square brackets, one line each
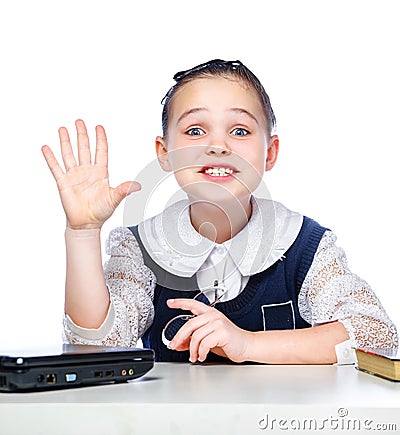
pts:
[174, 244]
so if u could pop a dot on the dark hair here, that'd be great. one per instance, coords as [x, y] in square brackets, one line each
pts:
[219, 68]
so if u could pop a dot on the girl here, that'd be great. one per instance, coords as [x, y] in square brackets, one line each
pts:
[257, 282]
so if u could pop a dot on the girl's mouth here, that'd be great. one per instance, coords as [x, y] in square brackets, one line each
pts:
[218, 171]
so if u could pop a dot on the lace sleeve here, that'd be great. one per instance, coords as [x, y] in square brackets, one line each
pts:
[331, 292]
[131, 285]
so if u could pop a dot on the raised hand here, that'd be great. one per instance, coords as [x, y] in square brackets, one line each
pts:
[86, 195]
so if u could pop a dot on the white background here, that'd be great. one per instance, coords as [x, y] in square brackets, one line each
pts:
[330, 67]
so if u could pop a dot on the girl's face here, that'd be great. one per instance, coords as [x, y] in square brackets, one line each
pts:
[217, 143]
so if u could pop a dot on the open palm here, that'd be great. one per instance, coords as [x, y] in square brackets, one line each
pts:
[86, 195]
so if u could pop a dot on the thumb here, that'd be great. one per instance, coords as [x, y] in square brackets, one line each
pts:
[133, 186]
[125, 189]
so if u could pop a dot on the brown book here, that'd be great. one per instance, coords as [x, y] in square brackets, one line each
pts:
[380, 362]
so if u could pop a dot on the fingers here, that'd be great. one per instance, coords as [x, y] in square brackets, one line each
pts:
[194, 327]
[199, 335]
[66, 149]
[201, 342]
[84, 156]
[52, 163]
[196, 307]
[123, 190]
[193, 333]
[101, 157]
[209, 330]
[187, 330]
[201, 351]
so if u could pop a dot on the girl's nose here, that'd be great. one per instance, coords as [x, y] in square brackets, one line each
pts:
[218, 150]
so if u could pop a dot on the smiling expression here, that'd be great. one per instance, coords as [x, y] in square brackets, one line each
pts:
[218, 144]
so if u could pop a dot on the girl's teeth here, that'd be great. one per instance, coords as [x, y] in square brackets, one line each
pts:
[219, 172]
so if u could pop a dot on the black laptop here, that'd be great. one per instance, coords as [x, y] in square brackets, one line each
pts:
[67, 366]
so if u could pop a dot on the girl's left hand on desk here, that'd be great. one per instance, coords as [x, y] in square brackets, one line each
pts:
[211, 331]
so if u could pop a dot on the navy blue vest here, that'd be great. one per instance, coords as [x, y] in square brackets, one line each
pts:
[269, 301]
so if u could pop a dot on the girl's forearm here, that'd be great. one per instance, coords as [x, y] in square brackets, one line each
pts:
[86, 296]
[314, 345]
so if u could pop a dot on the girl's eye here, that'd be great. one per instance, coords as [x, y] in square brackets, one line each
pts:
[240, 132]
[195, 131]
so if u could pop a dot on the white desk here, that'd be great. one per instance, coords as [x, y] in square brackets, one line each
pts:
[213, 399]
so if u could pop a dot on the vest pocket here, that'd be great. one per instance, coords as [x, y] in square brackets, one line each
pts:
[278, 316]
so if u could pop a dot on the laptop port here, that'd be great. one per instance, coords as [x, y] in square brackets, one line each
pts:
[98, 374]
[51, 378]
[3, 381]
[70, 377]
[109, 373]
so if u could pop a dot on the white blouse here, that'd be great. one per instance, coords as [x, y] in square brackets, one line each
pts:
[329, 292]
